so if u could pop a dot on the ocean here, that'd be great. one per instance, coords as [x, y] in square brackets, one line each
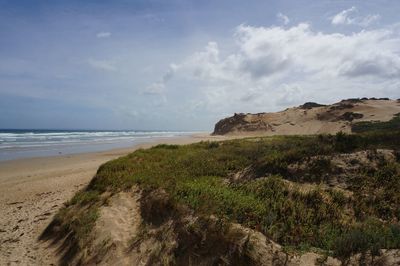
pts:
[15, 144]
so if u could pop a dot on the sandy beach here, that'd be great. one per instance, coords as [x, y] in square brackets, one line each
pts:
[32, 190]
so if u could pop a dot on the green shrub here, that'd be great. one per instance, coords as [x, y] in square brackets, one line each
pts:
[397, 155]
[368, 126]
[166, 146]
[84, 197]
[317, 170]
[338, 197]
[213, 145]
[372, 236]
[345, 142]
[272, 164]
[352, 242]
[388, 175]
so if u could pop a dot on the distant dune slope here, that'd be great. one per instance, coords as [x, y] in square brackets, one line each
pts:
[310, 118]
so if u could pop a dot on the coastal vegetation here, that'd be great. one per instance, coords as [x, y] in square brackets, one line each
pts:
[280, 186]
[365, 126]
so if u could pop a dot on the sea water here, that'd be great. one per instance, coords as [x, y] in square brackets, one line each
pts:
[36, 143]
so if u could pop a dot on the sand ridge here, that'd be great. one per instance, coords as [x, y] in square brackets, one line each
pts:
[309, 120]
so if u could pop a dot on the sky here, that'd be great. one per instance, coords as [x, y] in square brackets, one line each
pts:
[183, 65]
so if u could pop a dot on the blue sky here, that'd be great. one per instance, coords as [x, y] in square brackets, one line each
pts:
[183, 65]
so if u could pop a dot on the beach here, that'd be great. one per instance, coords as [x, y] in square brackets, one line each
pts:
[32, 190]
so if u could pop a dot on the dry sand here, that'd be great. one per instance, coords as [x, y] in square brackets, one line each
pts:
[33, 190]
[317, 120]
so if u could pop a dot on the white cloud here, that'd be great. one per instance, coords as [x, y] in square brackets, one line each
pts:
[343, 17]
[158, 88]
[272, 67]
[103, 34]
[106, 65]
[290, 95]
[368, 20]
[347, 17]
[283, 18]
[155, 88]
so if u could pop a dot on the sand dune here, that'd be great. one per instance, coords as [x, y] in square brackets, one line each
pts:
[309, 118]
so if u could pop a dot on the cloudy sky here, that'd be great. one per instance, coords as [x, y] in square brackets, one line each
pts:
[183, 65]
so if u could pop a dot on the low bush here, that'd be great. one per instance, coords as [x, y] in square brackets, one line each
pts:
[372, 236]
[368, 126]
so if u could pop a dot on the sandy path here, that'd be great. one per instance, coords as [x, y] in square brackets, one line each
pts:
[31, 192]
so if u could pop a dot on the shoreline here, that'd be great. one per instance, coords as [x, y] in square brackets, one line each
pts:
[32, 190]
[43, 148]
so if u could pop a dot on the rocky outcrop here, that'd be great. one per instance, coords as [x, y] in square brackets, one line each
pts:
[241, 122]
[226, 125]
